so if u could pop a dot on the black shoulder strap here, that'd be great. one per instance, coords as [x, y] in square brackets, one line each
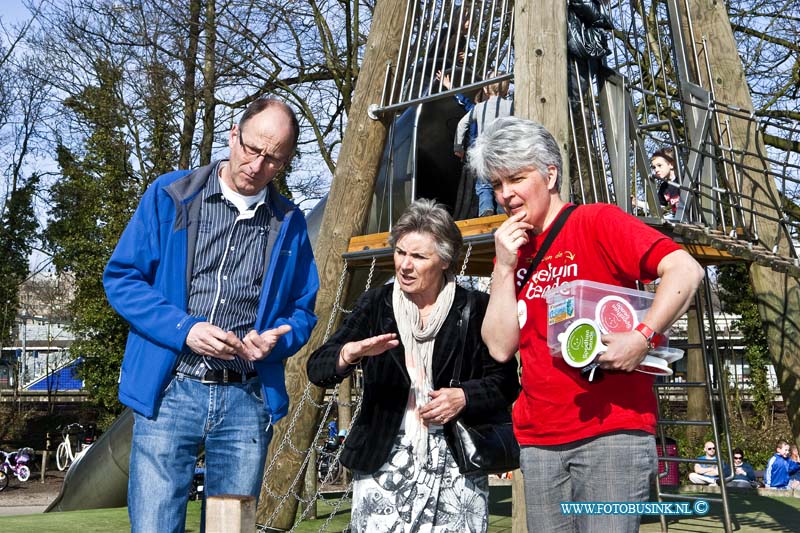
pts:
[551, 235]
[463, 325]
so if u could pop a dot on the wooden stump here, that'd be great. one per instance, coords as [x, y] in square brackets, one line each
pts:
[230, 513]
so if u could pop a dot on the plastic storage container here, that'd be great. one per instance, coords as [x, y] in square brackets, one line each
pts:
[613, 308]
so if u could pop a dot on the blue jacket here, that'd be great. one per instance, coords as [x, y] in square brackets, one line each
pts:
[147, 282]
[778, 471]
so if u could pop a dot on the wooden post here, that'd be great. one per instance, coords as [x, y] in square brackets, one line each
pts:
[345, 216]
[310, 486]
[540, 71]
[345, 414]
[47, 445]
[230, 514]
[778, 293]
[696, 370]
[540, 79]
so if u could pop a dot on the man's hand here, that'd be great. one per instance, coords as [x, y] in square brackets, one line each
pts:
[445, 405]
[207, 339]
[625, 351]
[257, 346]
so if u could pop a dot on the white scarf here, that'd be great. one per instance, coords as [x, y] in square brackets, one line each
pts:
[418, 344]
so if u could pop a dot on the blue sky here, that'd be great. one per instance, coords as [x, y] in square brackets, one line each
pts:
[14, 11]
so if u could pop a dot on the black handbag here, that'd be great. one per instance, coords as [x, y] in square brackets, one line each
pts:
[489, 448]
[486, 448]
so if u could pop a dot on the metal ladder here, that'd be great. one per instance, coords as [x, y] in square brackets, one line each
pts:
[715, 394]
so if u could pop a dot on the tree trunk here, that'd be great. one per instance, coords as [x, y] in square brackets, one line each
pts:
[778, 294]
[345, 216]
[189, 95]
[209, 84]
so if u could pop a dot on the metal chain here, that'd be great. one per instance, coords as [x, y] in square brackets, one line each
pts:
[371, 272]
[336, 301]
[466, 260]
[306, 398]
[345, 497]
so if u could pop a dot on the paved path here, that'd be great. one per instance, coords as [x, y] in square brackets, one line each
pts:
[30, 497]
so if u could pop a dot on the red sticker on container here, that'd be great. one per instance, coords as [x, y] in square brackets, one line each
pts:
[615, 315]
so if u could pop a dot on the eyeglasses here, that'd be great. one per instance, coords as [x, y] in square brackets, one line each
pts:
[710, 448]
[737, 457]
[250, 154]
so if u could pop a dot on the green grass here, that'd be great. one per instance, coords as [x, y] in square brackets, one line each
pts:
[752, 513]
[94, 521]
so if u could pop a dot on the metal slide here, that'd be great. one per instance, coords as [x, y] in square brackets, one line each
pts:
[99, 478]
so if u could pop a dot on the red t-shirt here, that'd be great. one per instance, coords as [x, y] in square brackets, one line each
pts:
[599, 242]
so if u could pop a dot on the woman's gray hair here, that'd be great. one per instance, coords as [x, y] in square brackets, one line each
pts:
[511, 144]
[427, 216]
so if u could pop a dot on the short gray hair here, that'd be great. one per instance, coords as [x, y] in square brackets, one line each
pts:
[511, 144]
[427, 216]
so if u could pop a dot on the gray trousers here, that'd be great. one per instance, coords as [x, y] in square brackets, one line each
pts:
[617, 467]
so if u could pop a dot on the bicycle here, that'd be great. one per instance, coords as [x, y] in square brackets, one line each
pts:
[16, 463]
[329, 469]
[3, 480]
[65, 453]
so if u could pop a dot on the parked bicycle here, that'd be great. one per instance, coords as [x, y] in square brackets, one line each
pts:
[198, 481]
[71, 449]
[329, 469]
[3, 480]
[16, 463]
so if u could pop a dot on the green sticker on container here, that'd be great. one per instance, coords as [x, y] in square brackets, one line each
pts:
[580, 344]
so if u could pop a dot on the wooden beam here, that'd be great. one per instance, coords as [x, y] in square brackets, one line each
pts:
[479, 231]
[469, 228]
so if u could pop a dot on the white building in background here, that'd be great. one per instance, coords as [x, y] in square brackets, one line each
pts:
[730, 343]
[40, 336]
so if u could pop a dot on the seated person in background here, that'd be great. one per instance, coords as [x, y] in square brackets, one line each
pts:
[706, 474]
[743, 474]
[663, 166]
[794, 455]
[782, 472]
[495, 105]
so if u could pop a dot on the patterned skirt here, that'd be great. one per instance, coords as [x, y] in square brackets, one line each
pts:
[405, 497]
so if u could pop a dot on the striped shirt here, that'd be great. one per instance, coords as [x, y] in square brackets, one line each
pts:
[231, 256]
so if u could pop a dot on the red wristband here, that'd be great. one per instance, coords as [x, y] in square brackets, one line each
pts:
[653, 339]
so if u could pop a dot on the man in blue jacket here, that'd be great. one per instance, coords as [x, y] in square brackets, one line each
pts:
[781, 472]
[215, 275]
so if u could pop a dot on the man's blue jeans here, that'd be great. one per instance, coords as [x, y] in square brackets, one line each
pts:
[232, 423]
